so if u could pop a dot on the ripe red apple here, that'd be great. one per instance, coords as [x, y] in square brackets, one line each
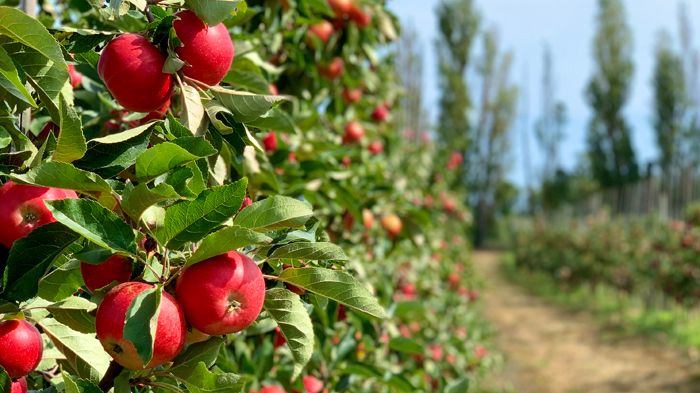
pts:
[312, 384]
[380, 113]
[354, 132]
[206, 50]
[453, 279]
[480, 352]
[75, 76]
[346, 161]
[279, 338]
[376, 147]
[132, 70]
[271, 389]
[273, 89]
[246, 202]
[361, 17]
[436, 351]
[20, 347]
[341, 7]
[351, 96]
[332, 70]
[115, 268]
[22, 209]
[223, 294]
[170, 331]
[270, 142]
[392, 224]
[322, 31]
[455, 160]
[49, 128]
[19, 386]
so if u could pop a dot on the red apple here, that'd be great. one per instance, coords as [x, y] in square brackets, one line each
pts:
[273, 89]
[312, 384]
[223, 294]
[453, 279]
[279, 338]
[19, 386]
[342, 312]
[351, 96]
[375, 147]
[49, 128]
[361, 17]
[246, 202]
[354, 132]
[115, 268]
[22, 209]
[480, 352]
[322, 31]
[332, 70]
[132, 70]
[436, 351]
[380, 113]
[75, 76]
[110, 319]
[341, 7]
[206, 50]
[270, 142]
[20, 347]
[346, 161]
[272, 389]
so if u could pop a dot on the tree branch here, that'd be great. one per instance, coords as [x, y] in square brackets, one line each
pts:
[113, 371]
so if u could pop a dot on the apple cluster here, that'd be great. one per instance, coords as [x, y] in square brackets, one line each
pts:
[132, 60]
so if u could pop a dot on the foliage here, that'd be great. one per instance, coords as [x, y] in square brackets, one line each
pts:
[168, 192]
[610, 150]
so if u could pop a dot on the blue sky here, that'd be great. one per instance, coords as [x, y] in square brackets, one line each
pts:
[568, 27]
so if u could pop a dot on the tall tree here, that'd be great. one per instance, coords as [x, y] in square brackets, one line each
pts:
[459, 25]
[689, 148]
[668, 83]
[409, 69]
[489, 148]
[549, 128]
[610, 148]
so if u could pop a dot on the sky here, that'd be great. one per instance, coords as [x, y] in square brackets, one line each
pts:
[568, 27]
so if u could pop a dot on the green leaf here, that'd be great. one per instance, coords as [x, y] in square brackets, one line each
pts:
[136, 201]
[83, 352]
[312, 251]
[167, 155]
[62, 282]
[190, 221]
[276, 212]
[192, 115]
[207, 352]
[458, 386]
[225, 240]
[335, 285]
[30, 258]
[95, 223]
[213, 12]
[5, 381]
[80, 385]
[244, 106]
[202, 380]
[23, 28]
[64, 175]
[71, 141]
[142, 321]
[295, 324]
[276, 119]
[49, 79]
[10, 82]
[74, 312]
[110, 155]
[406, 345]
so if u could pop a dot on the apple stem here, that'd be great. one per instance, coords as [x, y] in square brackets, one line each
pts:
[113, 371]
[269, 277]
[149, 14]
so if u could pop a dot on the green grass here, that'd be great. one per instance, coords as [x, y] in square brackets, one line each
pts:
[621, 312]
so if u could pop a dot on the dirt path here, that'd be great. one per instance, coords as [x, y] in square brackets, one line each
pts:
[551, 350]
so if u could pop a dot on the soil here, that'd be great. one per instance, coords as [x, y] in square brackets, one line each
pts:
[549, 349]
